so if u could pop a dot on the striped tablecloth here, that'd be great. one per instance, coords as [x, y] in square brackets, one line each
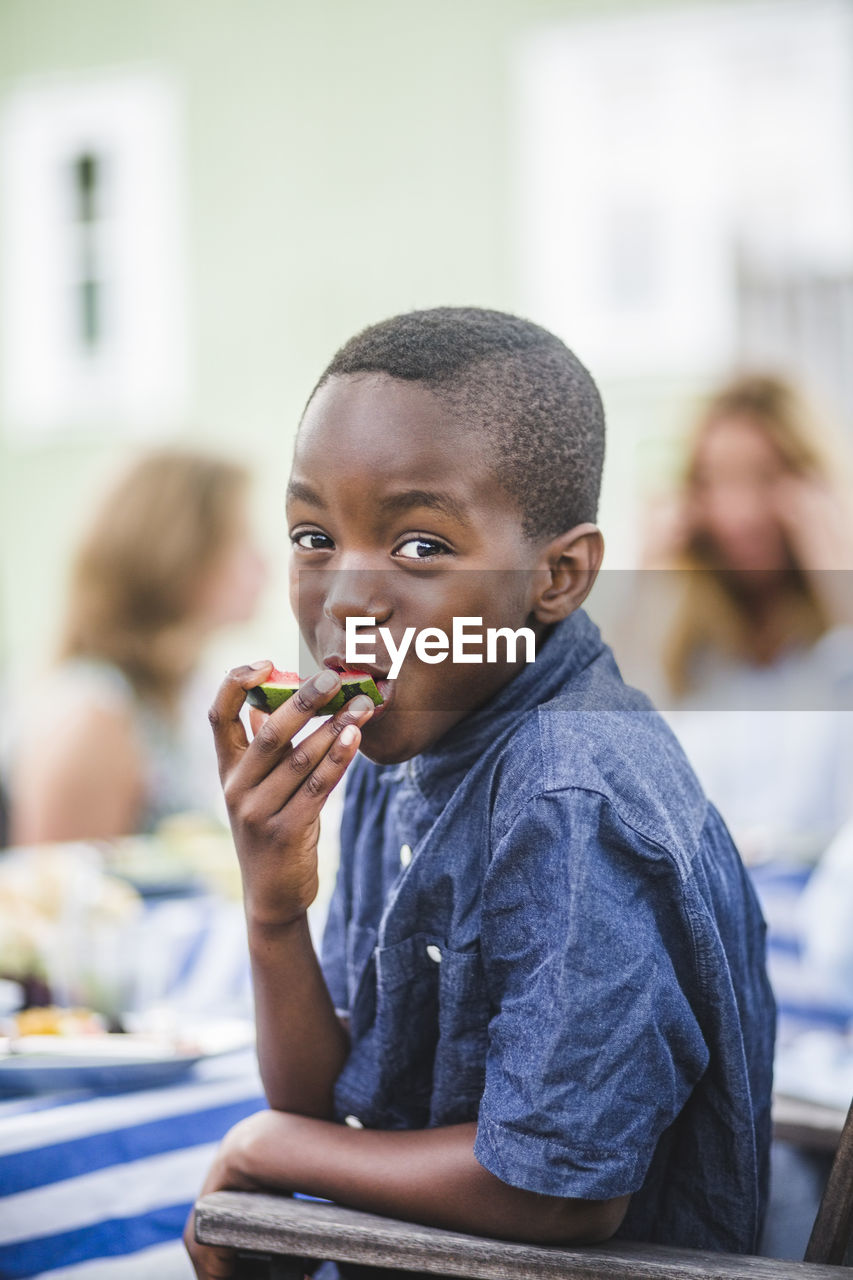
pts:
[805, 1003]
[99, 1187]
[814, 1049]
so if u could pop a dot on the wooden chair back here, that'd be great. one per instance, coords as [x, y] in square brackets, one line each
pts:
[830, 1238]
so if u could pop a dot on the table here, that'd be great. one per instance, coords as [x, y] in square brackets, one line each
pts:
[804, 1005]
[98, 1187]
[814, 1052]
[813, 1069]
[101, 1186]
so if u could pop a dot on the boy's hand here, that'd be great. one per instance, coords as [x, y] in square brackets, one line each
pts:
[212, 1262]
[275, 790]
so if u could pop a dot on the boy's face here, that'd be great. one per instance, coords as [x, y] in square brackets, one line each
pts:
[392, 501]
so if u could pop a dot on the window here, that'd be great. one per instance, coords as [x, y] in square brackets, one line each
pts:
[94, 299]
[659, 152]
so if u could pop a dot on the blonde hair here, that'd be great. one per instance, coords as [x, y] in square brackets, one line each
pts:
[139, 571]
[711, 614]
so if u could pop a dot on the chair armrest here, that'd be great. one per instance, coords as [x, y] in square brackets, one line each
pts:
[282, 1226]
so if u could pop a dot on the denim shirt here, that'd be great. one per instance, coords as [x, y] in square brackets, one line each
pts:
[541, 924]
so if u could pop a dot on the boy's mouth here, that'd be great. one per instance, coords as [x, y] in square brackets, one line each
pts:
[380, 679]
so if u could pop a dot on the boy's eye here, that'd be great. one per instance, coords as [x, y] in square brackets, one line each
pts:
[312, 540]
[421, 549]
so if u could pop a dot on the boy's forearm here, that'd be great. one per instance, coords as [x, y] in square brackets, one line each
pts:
[302, 1045]
[426, 1175]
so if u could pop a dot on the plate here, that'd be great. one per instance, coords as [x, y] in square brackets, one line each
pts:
[110, 1063]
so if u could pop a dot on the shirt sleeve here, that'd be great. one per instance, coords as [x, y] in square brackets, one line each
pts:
[594, 1047]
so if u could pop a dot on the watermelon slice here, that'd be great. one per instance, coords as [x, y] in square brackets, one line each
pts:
[283, 684]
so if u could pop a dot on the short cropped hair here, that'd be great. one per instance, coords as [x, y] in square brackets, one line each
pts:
[517, 384]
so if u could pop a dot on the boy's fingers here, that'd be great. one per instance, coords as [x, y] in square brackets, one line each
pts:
[282, 784]
[308, 801]
[210, 1262]
[213, 1262]
[272, 741]
[256, 719]
[229, 735]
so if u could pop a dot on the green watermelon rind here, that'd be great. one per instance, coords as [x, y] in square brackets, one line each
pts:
[269, 697]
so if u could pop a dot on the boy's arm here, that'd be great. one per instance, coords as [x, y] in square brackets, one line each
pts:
[275, 792]
[422, 1175]
[301, 1042]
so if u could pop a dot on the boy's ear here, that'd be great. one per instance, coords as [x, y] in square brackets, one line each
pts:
[572, 561]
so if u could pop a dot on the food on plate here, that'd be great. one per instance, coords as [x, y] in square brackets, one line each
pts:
[283, 684]
[52, 1020]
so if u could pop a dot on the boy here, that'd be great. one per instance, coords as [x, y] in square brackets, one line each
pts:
[542, 1011]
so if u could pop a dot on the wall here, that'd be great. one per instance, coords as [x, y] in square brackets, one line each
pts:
[343, 162]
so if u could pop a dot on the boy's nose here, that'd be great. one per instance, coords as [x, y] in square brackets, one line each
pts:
[355, 593]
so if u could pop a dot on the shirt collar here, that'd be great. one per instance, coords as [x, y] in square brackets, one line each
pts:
[569, 647]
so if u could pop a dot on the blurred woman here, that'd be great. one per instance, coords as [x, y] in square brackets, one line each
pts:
[167, 559]
[755, 553]
[758, 667]
[766, 522]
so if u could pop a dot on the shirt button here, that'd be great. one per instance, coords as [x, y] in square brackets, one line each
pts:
[405, 855]
[434, 953]
[353, 1122]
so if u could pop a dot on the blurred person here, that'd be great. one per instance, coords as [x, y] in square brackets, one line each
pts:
[167, 559]
[762, 513]
[761, 540]
[756, 668]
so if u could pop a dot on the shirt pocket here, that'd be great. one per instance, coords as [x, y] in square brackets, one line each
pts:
[431, 1030]
[459, 1072]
